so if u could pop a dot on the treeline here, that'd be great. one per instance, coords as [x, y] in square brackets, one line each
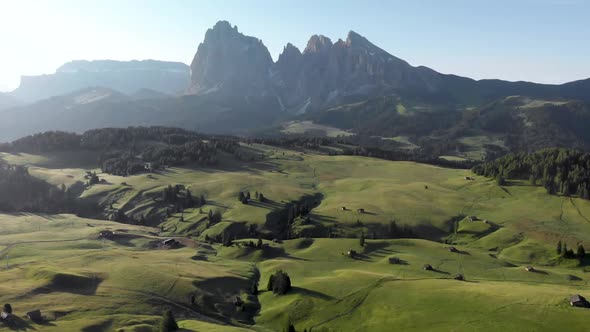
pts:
[301, 142]
[558, 170]
[126, 151]
[404, 155]
[21, 192]
[374, 147]
[99, 139]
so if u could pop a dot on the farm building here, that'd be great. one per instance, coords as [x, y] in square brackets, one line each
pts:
[428, 267]
[579, 301]
[169, 243]
[360, 210]
[106, 234]
[529, 268]
[35, 315]
[394, 260]
[343, 208]
[459, 276]
[452, 249]
[351, 253]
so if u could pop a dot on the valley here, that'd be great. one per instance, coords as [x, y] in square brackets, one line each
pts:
[496, 230]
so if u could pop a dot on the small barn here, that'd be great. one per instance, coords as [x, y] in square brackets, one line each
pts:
[459, 277]
[106, 234]
[428, 267]
[579, 301]
[343, 208]
[529, 268]
[394, 260]
[360, 210]
[35, 315]
[351, 253]
[169, 243]
[452, 249]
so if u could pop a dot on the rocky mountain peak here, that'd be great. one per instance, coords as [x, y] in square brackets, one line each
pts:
[290, 53]
[229, 62]
[318, 44]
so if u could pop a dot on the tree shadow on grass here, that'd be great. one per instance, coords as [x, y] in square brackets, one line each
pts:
[399, 262]
[311, 293]
[377, 248]
[16, 323]
[439, 271]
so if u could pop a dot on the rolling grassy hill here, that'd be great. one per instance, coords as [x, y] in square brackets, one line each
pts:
[127, 283]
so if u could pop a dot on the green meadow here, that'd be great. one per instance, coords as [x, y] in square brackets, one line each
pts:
[80, 282]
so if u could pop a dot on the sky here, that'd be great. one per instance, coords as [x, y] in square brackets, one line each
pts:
[546, 41]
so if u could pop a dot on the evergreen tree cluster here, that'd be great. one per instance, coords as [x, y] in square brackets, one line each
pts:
[124, 151]
[279, 283]
[182, 197]
[21, 192]
[564, 252]
[558, 170]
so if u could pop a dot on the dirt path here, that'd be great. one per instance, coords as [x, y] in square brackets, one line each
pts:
[578, 209]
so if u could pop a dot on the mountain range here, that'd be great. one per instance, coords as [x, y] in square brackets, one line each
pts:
[326, 73]
[124, 76]
[234, 86]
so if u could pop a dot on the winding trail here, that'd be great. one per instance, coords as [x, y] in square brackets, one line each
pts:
[578, 209]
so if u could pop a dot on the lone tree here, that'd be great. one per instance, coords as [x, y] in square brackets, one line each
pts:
[168, 322]
[261, 198]
[500, 180]
[7, 308]
[289, 327]
[581, 252]
[259, 243]
[362, 239]
[279, 283]
[559, 248]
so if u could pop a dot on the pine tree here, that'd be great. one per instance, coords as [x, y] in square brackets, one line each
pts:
[168, 322]
[564, 250]
[581, 252]
[289, 327]
[362, 239]
[559, 247]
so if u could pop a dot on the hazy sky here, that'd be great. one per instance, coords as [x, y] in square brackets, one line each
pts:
[536, 40]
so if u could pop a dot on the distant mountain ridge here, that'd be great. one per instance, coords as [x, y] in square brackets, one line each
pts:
[125, 76]
[230, 63]
[7, 101]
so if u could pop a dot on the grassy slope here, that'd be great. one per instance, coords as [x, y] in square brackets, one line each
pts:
[524, 225]
[335, 293]
[59, 266]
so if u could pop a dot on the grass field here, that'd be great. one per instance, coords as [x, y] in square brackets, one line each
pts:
[57, 264]
[310, 128]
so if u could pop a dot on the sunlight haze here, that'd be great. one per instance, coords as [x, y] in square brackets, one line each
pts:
[511, 40]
